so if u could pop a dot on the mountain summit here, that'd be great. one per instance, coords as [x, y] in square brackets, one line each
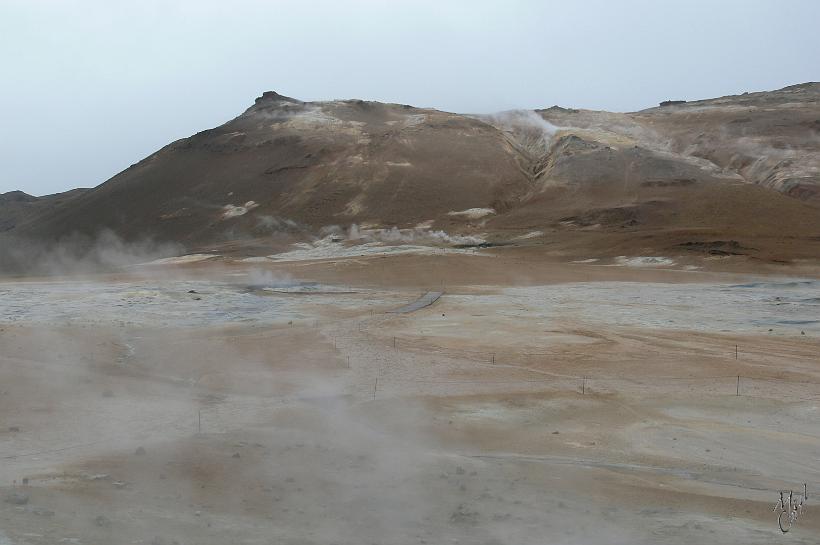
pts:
[747, 166]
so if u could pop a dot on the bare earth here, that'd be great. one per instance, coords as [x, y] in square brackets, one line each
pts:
[222, 402]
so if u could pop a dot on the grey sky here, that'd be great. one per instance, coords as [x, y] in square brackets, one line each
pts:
[90, 87]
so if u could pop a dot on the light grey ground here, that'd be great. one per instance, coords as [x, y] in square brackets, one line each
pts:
[257, 428]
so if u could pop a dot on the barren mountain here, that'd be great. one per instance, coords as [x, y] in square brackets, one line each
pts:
[19, 207]
[734, 175]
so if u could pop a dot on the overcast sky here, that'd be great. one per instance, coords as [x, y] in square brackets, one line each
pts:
[90, 87]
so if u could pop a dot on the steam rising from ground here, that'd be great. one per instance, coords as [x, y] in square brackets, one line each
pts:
[270, 279]
[272, 224]
[298, 444]
[78, 253]
[525, 119]
[527, 129]
[417, 235]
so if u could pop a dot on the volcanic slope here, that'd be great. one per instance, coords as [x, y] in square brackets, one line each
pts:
[19, 207]
[679, 177]
[285, 163]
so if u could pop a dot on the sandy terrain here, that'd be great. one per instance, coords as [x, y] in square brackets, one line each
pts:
[217, 401]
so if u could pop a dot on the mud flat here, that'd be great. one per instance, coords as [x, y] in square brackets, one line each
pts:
[425, 300]
[218, 408]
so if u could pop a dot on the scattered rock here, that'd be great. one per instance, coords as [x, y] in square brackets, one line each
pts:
[102, 521]
[459, 470]
[14, 428]
[107, 393]
[236, 455]
[192, 291]
[140, 451]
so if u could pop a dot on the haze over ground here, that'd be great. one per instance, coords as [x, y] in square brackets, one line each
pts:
[355, 321]
[95, 86]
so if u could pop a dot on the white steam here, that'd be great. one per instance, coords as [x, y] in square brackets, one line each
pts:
[526, 130]
[270, 279]
[75, 254]
[416, 235]
[525, 119]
